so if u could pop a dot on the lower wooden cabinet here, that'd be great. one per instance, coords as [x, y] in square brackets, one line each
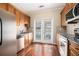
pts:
[73, 49]
[25, 52]
[27, 41]
[58, 35]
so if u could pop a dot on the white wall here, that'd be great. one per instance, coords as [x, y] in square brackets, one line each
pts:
[9, 45]
[47, 14]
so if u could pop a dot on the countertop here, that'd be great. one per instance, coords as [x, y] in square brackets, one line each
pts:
[70, 37]
[22, 34]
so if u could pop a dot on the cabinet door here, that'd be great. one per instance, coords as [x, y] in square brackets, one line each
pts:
[26, 40]
[22, 19]
[25, 19]
[11, 9]
[4, 6]
[66, 8]
[72, 5]
[17, 18]
[63, 19]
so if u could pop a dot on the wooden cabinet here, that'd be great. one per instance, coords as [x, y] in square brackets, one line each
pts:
[27, 40]
[63, 19]
[11, 9]
[58, 36]
[65, 10]
[72, 5]
[27, 20]
[4, 6]
[7, 7]
[26, 52]
[21, 18]
[73, 49]
[17, 18]
[24, 19]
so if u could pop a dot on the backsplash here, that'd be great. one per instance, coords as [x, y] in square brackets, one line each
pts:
[78, 25]
[70, 28]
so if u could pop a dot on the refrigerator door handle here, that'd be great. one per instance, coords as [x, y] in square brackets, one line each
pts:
[1, 31]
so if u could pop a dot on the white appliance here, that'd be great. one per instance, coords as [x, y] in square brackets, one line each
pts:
[63, 45]
[20, 43]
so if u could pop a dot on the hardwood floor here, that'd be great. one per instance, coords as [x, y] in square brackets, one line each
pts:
[39, 49]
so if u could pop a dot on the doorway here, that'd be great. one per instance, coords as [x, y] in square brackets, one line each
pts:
[43, 31]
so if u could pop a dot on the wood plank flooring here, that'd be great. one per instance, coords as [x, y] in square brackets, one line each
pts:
[39, 49]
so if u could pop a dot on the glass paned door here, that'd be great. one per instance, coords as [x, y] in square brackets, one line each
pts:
[47, 30]
[43, 31]
[38, 30]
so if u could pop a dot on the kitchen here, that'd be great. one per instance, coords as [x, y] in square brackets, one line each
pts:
[59, 29]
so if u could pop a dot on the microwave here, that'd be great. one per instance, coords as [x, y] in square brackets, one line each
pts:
[73, 14]
[76, 10]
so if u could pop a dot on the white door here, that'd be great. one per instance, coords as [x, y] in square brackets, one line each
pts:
[43, 31]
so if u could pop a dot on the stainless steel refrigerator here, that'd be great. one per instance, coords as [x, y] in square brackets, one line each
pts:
[8, 42]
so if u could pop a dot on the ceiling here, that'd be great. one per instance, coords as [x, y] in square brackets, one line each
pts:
[33, 7]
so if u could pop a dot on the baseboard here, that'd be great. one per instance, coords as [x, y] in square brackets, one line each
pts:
[45, 43]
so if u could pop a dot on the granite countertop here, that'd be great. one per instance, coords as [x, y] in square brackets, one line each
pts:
[21, 34]
[70, 37]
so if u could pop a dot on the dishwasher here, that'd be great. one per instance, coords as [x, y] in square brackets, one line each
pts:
[63, 45]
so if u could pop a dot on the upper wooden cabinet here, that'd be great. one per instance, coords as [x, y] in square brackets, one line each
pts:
[21, 18]
[24, 19]
[63, 19]
[67, 7]
[7, 7]
[11, 9]
[17, 18]
[4, 6]
[27, 20]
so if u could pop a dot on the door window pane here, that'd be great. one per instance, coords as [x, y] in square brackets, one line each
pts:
[38, 30]
[47, 30]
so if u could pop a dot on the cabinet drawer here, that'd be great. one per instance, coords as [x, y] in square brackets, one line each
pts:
[73, 51]
[75, 47]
